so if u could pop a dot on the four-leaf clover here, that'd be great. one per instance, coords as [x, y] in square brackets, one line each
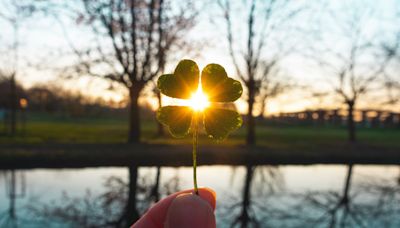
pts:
[217, 87]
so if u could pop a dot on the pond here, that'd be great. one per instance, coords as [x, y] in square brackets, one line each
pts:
[247, 196]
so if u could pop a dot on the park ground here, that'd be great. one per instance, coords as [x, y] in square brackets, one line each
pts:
[49, 139]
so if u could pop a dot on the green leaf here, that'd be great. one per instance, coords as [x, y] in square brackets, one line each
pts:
[176, 118]
[182, 83]
[220, 122]
[218, 86]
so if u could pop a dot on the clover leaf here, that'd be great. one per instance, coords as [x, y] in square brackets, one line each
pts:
[217, 86]
[185, 83]
[182, 82]
[220, 122]
[178, 119]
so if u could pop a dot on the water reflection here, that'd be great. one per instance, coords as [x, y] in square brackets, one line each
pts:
[269, 180]
[398, 179]
[119, 205]
[324, 208]
[251, 196]
[131, 212]
[373, 202]
[14, 183]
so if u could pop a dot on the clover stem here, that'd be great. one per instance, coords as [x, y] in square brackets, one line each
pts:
[194, 151]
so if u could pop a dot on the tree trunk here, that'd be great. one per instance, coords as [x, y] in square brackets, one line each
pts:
[160, 126]
[398, 121]
[263, 107]
[131, 212]
[134, 113]
[350, 121]
[250, 139]
[14, 105]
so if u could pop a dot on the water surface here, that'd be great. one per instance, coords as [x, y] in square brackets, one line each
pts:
[261, 196]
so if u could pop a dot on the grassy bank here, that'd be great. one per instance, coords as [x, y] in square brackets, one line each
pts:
[44, 129]
[51, 141]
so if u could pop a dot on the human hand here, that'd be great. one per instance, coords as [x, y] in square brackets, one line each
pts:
[181, 209]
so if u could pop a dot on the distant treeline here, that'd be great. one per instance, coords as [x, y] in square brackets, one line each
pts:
[55, 100]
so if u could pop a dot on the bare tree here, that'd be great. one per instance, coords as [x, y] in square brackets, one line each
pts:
[393, 90]
[273, 84]
[352, 62]
[260, 50]
[132, 42]
[13, 13]
[391, 50]
[160, 126]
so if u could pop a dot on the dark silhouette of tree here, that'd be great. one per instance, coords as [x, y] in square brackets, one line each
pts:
[13, 13]
[263, 22]
[160, 126]
[11, 92]
[353, 66]
[133, 41]
[391, 50]
[271, 89]
[42, 99]
[156, 92]
[393, 90]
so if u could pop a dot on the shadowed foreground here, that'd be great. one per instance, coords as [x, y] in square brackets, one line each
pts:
[92, 155]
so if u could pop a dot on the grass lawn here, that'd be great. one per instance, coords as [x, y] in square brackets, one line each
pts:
[51, 129]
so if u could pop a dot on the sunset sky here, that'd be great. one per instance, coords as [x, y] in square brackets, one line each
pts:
[45, 48]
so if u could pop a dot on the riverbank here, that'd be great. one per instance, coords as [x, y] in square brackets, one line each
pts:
[96, 155]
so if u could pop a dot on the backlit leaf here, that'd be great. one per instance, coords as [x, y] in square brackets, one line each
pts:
[220, 122]
[182, 83]
[218, 86]
[176, 118]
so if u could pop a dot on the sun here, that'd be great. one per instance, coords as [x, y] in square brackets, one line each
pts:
[199, 100]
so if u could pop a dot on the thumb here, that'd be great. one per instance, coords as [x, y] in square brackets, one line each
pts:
[190, 210]
[157, 215]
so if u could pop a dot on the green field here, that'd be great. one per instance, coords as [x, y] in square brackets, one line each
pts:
[53, 129]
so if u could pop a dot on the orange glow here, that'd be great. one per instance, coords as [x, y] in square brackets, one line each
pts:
[23, 103]
[199, 100]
